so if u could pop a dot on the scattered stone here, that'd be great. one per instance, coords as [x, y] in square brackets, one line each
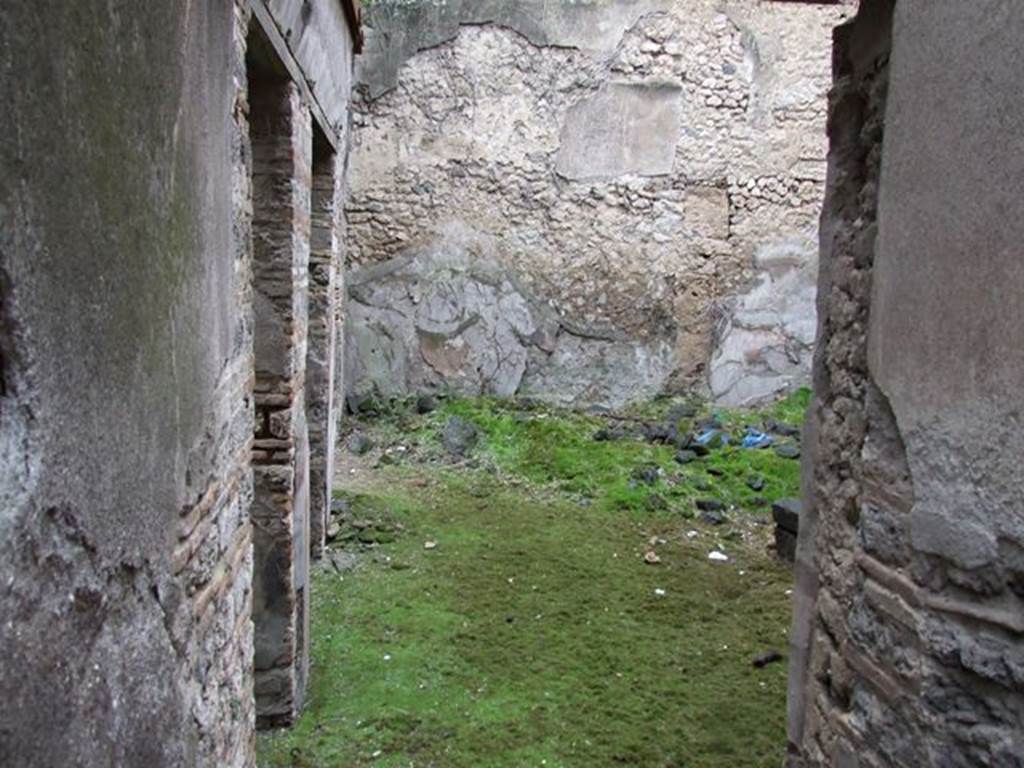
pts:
[786, 513]
[333, 530]
[651, 557]
[788, 451]
[359, 444]
[719, 557]
[366, 404]
[430, 545]
[660, 592]
[658, 433]
[459, 436]
[426, 404]
[609, 434]
[782, 429]
[769, 657]
[755, 483]
[647, 474]
[690, 443]
[342, 562]
[712, 518]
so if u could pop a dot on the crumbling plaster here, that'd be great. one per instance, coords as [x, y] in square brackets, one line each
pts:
[908, 638]
[511, 120]
[127, 368]
[124, 416]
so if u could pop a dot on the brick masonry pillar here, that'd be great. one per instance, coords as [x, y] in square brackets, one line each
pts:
[322, 372]
[281, 133]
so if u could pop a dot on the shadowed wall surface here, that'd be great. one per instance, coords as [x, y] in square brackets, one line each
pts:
[908, 639]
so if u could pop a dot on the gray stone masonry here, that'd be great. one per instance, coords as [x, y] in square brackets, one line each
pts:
[322, 372]
[648, 171]
[908, 639]
[147, 361]
[281, 147]
[126, 395]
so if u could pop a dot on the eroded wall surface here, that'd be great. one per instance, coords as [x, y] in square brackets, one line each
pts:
[908, 643]
[131, 342]
[125, 411]
[649, 172]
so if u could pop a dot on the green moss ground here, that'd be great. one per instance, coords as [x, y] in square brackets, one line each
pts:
[533, 635]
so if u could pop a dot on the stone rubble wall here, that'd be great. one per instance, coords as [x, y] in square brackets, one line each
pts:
[908, 641]
[282, 139]
[649, 171]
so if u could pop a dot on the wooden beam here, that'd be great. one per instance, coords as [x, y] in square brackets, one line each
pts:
[284, 53]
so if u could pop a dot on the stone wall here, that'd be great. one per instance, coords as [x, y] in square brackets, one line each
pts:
[133, 357]
[323, 373]
[908, 643]
[282, 146]
[647, 174]
[299, 59]
[126, 415]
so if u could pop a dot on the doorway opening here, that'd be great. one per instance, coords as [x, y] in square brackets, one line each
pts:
[281, 144]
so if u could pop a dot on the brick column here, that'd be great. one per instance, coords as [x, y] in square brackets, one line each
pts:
[322, 372]
[281, 149]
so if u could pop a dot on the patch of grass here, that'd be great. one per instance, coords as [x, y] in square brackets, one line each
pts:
[533, 636]
[556, 448]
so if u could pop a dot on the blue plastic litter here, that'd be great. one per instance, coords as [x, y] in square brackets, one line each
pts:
[757, 439]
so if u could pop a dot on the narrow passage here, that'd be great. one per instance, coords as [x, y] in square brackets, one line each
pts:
[513, 585]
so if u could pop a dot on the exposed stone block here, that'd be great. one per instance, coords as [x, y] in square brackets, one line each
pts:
[623, 129]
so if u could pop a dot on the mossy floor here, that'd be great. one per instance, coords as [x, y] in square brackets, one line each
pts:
[531, 632]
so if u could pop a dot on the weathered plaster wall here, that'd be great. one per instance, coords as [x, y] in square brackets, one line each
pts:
[908, 638]
[125, 419]
[650, 171]
[128, 362]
